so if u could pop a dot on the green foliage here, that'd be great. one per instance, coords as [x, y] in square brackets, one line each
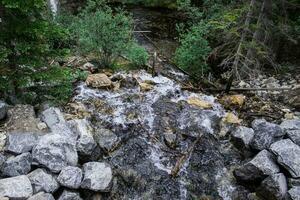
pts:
[107, 34]
[193, 50]
[137, 55]
[29, 39]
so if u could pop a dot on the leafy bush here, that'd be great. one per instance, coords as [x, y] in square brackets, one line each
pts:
[192, 53]
[137, 55]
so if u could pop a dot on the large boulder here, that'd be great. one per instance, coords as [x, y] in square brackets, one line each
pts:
[274, 187]
[265, 134]
[294, 193]
[69, 195]
[287, 154]
[262, 165]
[3, 109]
[292, 129]
[17, 165]
[55, 152]
[70, 177]
[98, 81]
[97, 176]
[106, 139]
[85, 143]
[242, 137]
[21, 142]
[41, 196]
[42, 181]
[18, 187]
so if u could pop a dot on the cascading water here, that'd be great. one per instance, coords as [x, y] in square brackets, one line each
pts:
[54, 6]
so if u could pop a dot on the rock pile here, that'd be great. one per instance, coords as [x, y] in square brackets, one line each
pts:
[38, 165]
[274, 172]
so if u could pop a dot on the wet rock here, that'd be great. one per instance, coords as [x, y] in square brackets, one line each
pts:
[199, 103]
[17, 165]
[287, 154]
[42, 181]
[292, 129]
[85, 143]
[262, 165]
[97, 176]
[98, 81]
[21, 142]
[70, 177]
[274, 187]
[242, 137]
[170, 139]
[18, 187]
[52, 116]
[106, 139]
[22, 119]
[69, 195]
[55, 152]
[294, 193]
[41, 196]
[3, 109]
[265, 134]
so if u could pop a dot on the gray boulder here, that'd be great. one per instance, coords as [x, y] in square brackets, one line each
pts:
[70, 195]
[18, 187]
[292, 129]
[97, 176]
[274, 187]
[287, 154]
[262, 165]
[55, 152]
[42, 196]
[265, 134]
[242, 137]
[42, 181]
[85, 143]
[2, 160]
[21, 142]
[17, 165]
[52, 116]
[294, 193]
[70, 177]
[106, 139]
[3, 109]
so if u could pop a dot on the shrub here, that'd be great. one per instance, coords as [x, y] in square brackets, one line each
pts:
[137, 55]
[192, 53]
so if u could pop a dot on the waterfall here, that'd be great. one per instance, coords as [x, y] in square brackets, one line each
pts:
[54, 6]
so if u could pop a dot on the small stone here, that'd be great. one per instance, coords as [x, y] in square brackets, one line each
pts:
[274, 187]
[98, 81]
[70, 177]
[85, 143]
[262, 165]
[106, 139]
[18, 187]
[21, 142]
[294, 193]
[233, 100]
[42, 196]
[17, 165]
[287, 154]
[242, 137]
[55, 152]
[265, 134]
[199, 103]
[70, 195]
[292, 129]
[3, 109]
[145, 86]
[52, 116]
[97, 176]
[170, 139]
[231, 118]
[42, 181]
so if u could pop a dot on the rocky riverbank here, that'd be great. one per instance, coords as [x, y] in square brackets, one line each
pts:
[132, 136]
